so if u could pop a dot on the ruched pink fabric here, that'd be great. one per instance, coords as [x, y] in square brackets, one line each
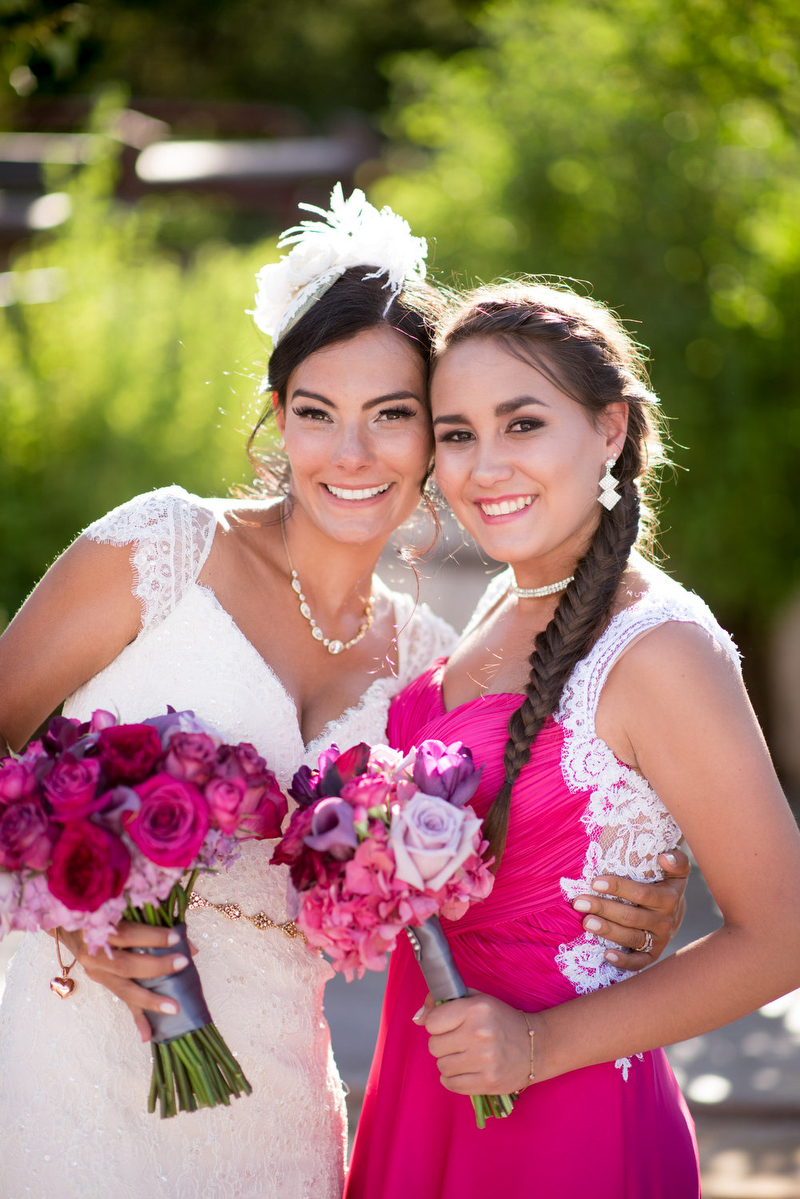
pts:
[586, 1134]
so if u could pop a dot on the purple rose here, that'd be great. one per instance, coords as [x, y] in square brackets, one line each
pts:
[447, 771]
[16, 779]
[430, 839]
[70, 787]
[27, 835]
[332, 829]
[90, 866]
[191, 756]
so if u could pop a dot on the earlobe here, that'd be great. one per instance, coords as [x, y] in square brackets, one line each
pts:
[280, 413]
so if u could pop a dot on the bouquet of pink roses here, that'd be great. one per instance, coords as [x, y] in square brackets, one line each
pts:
[380, 844]
[103, 821]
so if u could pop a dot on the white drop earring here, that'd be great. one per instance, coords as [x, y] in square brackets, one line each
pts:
[609, 496]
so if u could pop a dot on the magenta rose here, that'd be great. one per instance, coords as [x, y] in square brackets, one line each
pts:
[264, 805]
[171, 823]
[129, 752]
[71, 785]
[191, 756]
[16, 779]
[225, 798]
[90, 866]
[430, 839]
[27, 835]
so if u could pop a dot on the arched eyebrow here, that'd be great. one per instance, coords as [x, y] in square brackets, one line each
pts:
[506, 408]
[384, 399]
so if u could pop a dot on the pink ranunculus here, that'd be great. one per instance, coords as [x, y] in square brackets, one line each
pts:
[16, 779]
[27, 835]
[225, 798]
[369, 791]
[191, 756]
[172, 821]
[90, 866]
[71, 787]
[129, 752]
[431, 839]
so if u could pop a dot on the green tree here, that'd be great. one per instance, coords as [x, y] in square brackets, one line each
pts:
[650, 146]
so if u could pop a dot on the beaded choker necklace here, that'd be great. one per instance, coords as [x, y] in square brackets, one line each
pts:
[537, 592]
[331, 644]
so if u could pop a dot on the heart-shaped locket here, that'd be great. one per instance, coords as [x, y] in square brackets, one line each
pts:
[62, 987]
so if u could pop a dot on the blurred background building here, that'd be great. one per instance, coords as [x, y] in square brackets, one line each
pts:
[150, 152]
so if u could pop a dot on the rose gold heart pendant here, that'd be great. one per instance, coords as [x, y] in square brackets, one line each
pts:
[62, 987]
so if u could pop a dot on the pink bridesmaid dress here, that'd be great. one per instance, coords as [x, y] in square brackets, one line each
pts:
[620, 1130]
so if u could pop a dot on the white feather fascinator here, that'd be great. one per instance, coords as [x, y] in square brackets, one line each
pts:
[352, 233]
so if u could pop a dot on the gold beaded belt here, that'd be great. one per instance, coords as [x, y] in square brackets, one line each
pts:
[234, 912]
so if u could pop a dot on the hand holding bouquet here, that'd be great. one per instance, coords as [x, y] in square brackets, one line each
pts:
[103, 821]
[380, 843]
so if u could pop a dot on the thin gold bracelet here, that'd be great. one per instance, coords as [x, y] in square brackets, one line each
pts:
[531, 1035]
[233, 912]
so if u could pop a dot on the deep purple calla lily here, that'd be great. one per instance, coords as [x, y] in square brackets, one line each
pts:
[332, 829]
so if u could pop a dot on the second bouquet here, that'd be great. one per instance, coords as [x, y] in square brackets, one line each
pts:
[380, 844]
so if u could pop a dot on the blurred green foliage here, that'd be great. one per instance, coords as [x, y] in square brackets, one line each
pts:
[651, 147]
[141, 372]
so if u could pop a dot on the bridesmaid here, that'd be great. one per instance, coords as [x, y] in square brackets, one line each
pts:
[626, 724]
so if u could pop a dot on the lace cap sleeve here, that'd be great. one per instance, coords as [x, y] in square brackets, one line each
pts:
[170, 533]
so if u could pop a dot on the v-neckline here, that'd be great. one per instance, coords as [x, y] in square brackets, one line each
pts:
[211, 596]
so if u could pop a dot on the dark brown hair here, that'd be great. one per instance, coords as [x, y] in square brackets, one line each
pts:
[585, 351]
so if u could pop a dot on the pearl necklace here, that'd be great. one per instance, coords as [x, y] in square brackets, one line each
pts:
[331, 644]
[537, 592]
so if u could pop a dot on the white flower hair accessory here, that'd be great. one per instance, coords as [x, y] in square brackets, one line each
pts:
[352, 233]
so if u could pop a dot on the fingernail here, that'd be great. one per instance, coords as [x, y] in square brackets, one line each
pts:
[612, 957]
[670, 858]
[593, 924]
[417, 1017]
[169, 1009]
[173, 939]
[179, 962]
[599, 884]
[582, 905]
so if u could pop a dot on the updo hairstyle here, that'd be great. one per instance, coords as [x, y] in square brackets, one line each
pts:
[583, 349]
[351, 305]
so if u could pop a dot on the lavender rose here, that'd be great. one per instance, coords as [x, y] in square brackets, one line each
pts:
[191, 756]
[430, 839]
[447, 771]
[332, 829]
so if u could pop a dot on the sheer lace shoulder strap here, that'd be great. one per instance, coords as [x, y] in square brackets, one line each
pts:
[494, 592]
[170, 533]
[664, 600]
[422, 636]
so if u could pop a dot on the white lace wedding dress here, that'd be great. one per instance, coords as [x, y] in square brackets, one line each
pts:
[74, 1076]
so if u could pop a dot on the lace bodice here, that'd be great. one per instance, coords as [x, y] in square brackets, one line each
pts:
[627, 825]
[77, 1069]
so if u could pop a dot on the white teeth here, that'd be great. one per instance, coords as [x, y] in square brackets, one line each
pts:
[350, 493]
[506, 507]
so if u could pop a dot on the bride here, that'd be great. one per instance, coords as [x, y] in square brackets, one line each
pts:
[265, 617]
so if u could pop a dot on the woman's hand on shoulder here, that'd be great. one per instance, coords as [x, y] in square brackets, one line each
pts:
[78, 618]
[119, 972]
[649, 918]
[481, 1044]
